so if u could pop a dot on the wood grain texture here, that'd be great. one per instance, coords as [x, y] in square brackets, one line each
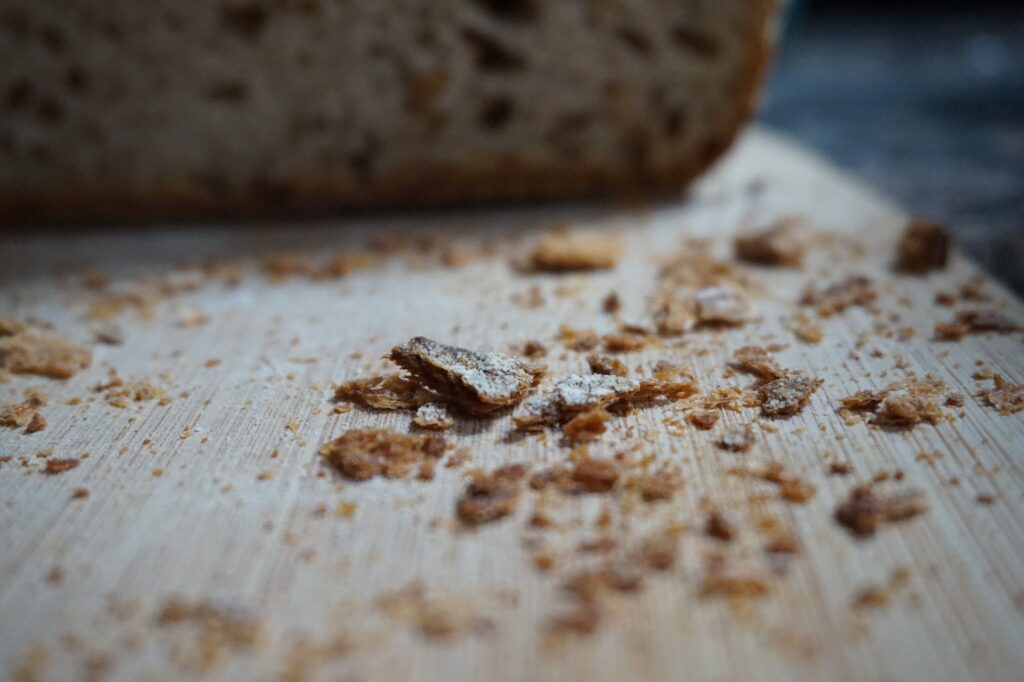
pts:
[208, 529]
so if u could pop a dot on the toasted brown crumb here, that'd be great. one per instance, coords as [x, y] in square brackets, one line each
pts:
[975, 321]
[568, 251]
[37, 423]
[787, 395]
[924, 246]
[657, 485]
[586, 427]
[659, 551]
[58, 466]
[853, 291]
[605, 364]
[865, 510]
[433, 416]
[479, 383]
[580, 340]
[783, 543]
[611, 303]
[491, 496]
[719, 527]
[363, 453]
[627, 340]
[220, 629]
[804, 329]
[985, 499]
[80, 493]
[724, 580]
[902, 403]
[703, 419]
[840, 469]
[781, 244]
[391, 392]
[22, 414]
[757, 361]
[1005, 397]
[32, 351]
[533, 349]
[796, 490]
[737, 438]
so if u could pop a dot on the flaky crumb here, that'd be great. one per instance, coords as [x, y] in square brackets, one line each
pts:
[587, 426]
[975, 321]
[33, 351]
[491, 496]
[902, 403]
[865, 509]
[1006, 397]
[568, 251]
[388, 392]
[59, 466]
[787, 395]
[718, 526]
[722, 305]
[757, 361]
[360, 454]
[736, 438]
[853, 291]
[479, 383]
[605, 364]
[923, 247]
[782, 244]
[433, 416]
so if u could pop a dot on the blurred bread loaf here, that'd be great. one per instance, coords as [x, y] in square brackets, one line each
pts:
[172, 108]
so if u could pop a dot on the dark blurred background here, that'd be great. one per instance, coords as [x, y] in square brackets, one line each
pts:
[923, 99]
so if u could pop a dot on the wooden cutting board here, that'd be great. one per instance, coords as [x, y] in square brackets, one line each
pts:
[218, 505]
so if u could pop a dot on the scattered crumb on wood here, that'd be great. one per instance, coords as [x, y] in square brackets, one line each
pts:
[479, 383]
[360, 454]
[781, 244]
[865, 509]
[923, 247]
[491, 496]
[574, 251]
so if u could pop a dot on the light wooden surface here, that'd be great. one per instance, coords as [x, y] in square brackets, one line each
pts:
[209, 530]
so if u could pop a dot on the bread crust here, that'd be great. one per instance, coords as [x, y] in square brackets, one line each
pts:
[432, 186]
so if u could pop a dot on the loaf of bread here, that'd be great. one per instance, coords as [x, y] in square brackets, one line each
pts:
[131, 109]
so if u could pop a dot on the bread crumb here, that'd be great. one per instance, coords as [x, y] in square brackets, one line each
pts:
[574, 251]
[605, 364]
[902, 403]
[923, 247]
[722, 305]
[79, 493]
[433, 416]
[703, 419]
[360, 454]
[1006, 397]
[390, 392]
[718, 526]
[587, 426]
[782, 244]
[804, 329]
[219, 629]
[853, 291]
[865, 510]
[479, 383]
[757, 361]
[787, 395]
[722, 579]
[59, 466]
[611, 303]
[580, 340]
[491, 496]
[575, 394]
[736, 438]
[975, 321]
[35, 351]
